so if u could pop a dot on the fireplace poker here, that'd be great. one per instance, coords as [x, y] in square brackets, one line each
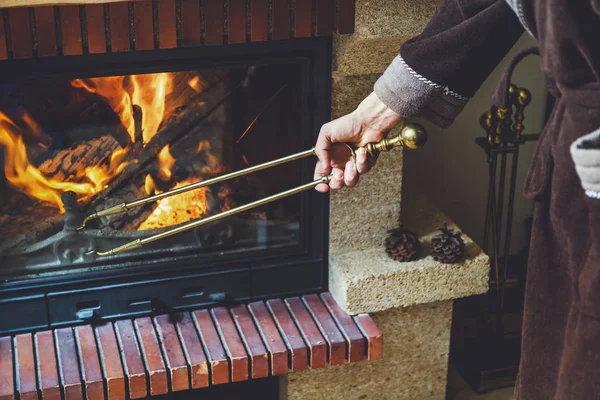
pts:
[412, 136]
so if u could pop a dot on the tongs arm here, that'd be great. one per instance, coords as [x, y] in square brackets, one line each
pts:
[124, 207]
[139, 243]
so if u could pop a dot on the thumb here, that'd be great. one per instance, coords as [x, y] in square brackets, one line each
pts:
[323, 149]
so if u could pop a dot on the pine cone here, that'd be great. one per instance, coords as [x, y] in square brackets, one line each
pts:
[402, 245]
[448, 247]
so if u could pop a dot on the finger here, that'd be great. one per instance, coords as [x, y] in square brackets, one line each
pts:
[337, 179]
[362, 166]
[323, 147]
[350, 174]
[318, 174]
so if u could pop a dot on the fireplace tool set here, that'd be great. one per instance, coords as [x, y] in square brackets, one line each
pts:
[412, 136]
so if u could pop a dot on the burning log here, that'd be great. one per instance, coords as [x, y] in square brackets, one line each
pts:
[69, 162]
[176, 128]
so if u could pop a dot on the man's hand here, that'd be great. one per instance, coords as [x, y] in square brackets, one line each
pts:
[368, 123]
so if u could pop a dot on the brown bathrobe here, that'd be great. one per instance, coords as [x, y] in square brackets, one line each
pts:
[434, 76]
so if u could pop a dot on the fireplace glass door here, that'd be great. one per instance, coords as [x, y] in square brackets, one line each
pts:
[74, 146]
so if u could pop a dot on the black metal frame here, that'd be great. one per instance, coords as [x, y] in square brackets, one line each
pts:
[171, 283]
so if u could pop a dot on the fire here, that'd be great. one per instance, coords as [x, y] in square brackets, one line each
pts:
[29, 180]
[149, 92]
[177, 209]
[113, 91]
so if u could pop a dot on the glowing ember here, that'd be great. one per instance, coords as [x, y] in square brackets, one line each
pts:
[177, 209]
[29, 180]
[166, 162]
[196, 84]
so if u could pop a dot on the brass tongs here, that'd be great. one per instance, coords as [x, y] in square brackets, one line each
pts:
[412, 136]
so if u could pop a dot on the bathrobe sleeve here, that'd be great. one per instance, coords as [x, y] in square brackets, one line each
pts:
[437, 71]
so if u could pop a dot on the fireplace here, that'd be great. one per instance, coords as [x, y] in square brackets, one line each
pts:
[87, 132]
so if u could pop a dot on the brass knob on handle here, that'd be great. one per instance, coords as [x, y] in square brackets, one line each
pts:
[412, 136]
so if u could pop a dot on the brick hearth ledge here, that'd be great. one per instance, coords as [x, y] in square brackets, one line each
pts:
[131, 359]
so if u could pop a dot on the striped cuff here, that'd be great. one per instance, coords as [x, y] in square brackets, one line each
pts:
[410, 94]
[586, 156]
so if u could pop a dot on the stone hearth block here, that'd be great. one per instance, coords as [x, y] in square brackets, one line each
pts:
[414, 363]
[361, 217]
[357, 55]
[380, 18]
[369, 281]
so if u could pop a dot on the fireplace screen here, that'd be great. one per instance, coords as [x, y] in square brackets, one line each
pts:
[71, 147]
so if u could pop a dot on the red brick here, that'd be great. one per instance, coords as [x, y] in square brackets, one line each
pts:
[45, 31]
[88, 357]
[70, 26]
[310, 332]
[271, 337]
[213, 22]
[191, 32]
[193, 350]
[281, 19]
[70, 378]
[335, 341]
[176, 363]
[152, 356]
[94, 18]
[48, 370]
[144, 25]
[259, 358]
[27, 386]
[291, 335]
[167, 24]
[345, 16]
[259, 11]
[132, 359]
[303, 18]
[111, 361]
[119, 27]
[356, 341]
[3, 50]
[237, 21]
[7, 387]
[373, 335]
[215, 351]
[324, 17]
[20, 32]
[232, 343]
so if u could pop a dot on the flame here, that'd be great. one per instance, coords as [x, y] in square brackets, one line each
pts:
[113, 91]
[166, 162]
[177, 209]
[149, 185]
[29, 180]
[149, 92]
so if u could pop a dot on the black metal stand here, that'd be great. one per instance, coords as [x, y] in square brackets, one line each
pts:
[487, 328]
